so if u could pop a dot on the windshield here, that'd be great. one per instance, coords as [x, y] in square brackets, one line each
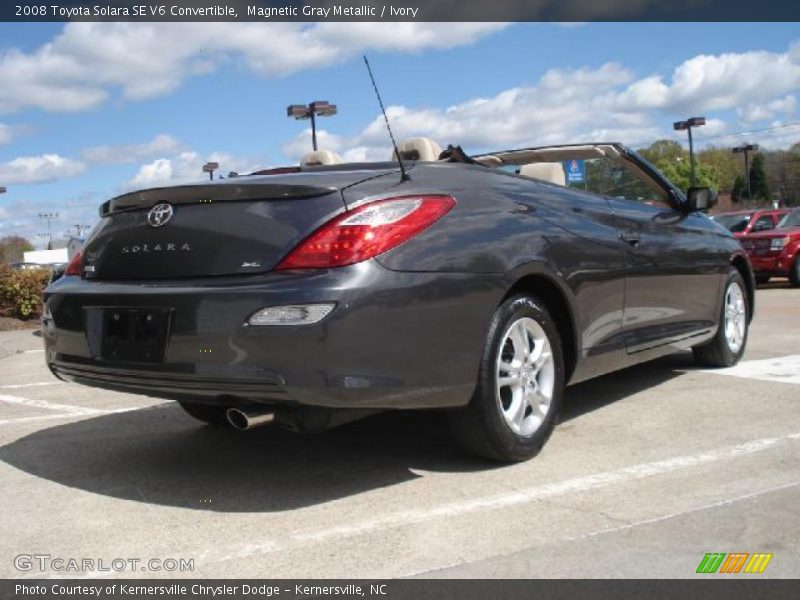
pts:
[791, 219]
[733, 223]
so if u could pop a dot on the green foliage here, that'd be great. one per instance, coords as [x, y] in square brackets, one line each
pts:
[783, 174]
[739, 189]
[726, 164]
[759, 187]
[680, 173]
[671, 159]
[21, 291]
[664, 150]
[12, 247]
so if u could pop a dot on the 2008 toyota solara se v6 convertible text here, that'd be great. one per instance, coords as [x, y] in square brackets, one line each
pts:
[480, 285]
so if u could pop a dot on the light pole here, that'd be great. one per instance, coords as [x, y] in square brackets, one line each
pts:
[79, 229]
[209, 168]
[687, 125]
[44, 236]
[318, 108]
[746, 149]
[50, 217]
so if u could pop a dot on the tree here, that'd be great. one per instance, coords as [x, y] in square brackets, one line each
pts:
[664, 150]
[759, 187]
[680, 173]
[673, 161]
[739, 190]
[12, 247]
[724, 162]
[783, 174]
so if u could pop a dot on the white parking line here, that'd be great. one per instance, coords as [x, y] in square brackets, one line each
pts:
[626, 526]
[516, 497]
[67, 408]
[17, 386]
[33, 351]
[68, 415]
[781, 369]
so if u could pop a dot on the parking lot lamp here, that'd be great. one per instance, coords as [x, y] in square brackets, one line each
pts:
[209, 168]
[318, 108]
[687, 125]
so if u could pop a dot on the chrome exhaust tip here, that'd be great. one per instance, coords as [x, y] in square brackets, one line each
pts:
[248, 419]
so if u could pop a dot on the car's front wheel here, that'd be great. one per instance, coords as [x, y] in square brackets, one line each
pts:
[520, 385]
[207, 413]
[727, 346]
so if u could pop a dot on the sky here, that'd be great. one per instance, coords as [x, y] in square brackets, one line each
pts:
[92, 110]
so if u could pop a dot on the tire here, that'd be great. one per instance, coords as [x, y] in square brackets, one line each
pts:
[728, 344]
[794, 274]
[521, 329]
[207, 413]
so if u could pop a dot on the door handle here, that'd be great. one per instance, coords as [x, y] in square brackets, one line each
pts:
[630, 239]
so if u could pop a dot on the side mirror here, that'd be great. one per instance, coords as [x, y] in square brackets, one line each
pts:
[701, 198]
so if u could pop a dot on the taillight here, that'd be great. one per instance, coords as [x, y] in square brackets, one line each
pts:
[367, 231]
[75, 265]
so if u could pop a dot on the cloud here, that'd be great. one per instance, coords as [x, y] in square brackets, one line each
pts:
[708, 82]
[5, 134]
[22, 216]
[160, 145]
[605, 103]
[37, 169]
[186, 167]
[87, 62]
[301, 143]
[754, 112]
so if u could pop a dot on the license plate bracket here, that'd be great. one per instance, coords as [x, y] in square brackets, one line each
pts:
[128, 334]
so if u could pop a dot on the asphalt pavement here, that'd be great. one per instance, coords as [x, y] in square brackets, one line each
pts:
[650, 469]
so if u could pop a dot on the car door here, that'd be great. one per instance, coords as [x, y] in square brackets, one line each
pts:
[764, 223]
[672, 275]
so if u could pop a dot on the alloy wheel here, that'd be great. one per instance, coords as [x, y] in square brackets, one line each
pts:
[525, 376]
[735, 317]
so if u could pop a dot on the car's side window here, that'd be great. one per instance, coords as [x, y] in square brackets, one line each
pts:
[764, 223]
[616, 179]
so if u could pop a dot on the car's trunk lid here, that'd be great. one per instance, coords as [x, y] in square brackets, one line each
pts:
[234, 226]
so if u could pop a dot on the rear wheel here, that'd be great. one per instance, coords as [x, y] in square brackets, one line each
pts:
[794, 274]
[727, 346]
[520, 385]
[207, 413]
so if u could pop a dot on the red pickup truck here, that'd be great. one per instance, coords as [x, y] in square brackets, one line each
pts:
[776, 253]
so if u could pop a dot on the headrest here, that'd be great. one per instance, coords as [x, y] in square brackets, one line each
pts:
[321, 157]
[418, 149]
[546, 171]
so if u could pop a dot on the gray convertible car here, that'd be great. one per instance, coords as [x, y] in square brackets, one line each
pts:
[479, 285]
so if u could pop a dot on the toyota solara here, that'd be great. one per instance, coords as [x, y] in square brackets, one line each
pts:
[478, 285]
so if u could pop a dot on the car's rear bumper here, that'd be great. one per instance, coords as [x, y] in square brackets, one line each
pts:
[394, 340]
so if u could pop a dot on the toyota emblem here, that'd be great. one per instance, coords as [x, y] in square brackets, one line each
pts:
[159, 215]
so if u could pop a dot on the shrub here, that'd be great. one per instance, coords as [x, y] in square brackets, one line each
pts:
[21, 291]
